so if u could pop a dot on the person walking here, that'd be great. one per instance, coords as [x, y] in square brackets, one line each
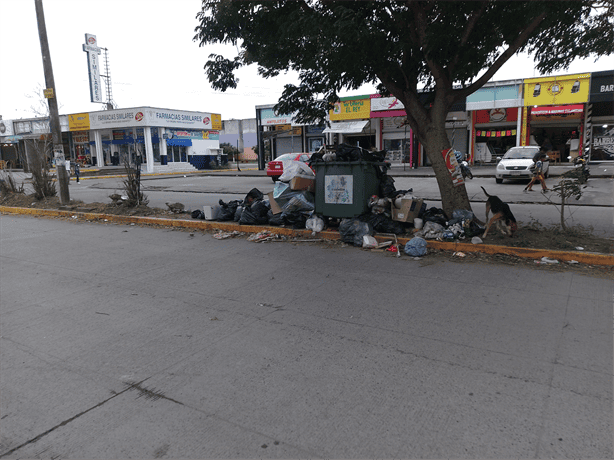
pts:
[77, 171]
[538, 173]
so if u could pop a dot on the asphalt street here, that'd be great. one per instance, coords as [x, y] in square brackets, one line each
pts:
[121, 341]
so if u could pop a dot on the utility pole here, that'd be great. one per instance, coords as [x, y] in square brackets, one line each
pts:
[54, 116]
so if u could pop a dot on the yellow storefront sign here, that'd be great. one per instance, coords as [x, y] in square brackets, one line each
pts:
[79, 122]
[351, 110]
[216, 121]
[566, 89]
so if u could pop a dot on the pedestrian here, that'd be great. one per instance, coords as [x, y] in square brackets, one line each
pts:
[77, 171]
[538, 173]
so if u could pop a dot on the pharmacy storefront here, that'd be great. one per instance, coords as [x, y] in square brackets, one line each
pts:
[157, 137]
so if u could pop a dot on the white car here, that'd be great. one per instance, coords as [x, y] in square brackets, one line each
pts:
[516, 164]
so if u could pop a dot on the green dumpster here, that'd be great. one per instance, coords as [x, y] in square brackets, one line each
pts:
[343, 188]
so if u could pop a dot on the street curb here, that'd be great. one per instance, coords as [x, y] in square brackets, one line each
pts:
[565, 256]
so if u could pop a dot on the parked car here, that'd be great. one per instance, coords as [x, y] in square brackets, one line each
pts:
[275, 168]
[516, 164]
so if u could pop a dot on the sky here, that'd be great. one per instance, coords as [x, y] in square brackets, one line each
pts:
[153, 59]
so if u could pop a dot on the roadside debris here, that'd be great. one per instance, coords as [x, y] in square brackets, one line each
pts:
[546, 260]
[220, 235]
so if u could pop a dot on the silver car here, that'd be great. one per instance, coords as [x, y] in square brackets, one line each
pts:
[516, 164]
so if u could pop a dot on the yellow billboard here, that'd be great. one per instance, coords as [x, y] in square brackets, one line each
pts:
[79, 122]
[351, 109]
[216, 121]
[566, 89]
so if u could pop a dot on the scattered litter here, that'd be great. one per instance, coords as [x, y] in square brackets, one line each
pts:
[573, 262]
[223, 235]
[459, 254]
[393, 248]
[476, 240]
[546, 260]
[132, 224]
[262, 236]
[106, 220]
[214, 318]
[579, 248]
[74, 217]
[313, 240]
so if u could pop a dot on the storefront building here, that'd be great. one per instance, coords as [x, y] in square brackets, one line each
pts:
[394, 134]
[278, 134]
[350, 123]
[495, 111]
[19, 137]
[553, 114]
[599, 122]
[162, 139]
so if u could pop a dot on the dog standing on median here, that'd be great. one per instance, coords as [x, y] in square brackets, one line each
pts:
[502, 215]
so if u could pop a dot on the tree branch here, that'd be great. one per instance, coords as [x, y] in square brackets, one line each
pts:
[503, 58]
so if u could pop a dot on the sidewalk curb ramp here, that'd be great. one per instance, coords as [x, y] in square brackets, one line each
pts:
[590, 258]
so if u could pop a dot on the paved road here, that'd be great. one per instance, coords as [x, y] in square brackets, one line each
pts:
[127, 342]
[596, 208]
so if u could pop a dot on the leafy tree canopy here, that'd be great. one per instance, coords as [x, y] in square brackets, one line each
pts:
[398, 46]
[403, 47]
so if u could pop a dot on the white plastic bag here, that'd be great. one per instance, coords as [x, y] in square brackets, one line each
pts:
[293, 168]
[369, 242]
[315, 224]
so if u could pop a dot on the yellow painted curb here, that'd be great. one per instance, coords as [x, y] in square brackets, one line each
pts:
[565, 256]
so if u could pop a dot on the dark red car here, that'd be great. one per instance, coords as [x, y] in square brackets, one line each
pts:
[275, 168]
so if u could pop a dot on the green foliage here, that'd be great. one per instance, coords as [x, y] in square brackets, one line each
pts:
[132, 187]
[8, 184]
[229, 150]
[396, 45]
[449, 48]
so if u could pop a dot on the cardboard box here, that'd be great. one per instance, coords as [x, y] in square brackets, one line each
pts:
[300, 182]
[275, 208]
[408, 211]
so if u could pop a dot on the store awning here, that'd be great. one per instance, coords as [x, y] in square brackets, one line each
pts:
[347, 127]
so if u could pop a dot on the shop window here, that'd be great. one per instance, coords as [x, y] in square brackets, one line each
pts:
[22, 127]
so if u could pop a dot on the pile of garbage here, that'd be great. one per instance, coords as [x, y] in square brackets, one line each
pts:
[390, 211]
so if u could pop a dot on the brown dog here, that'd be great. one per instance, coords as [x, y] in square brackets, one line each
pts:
[501, 214]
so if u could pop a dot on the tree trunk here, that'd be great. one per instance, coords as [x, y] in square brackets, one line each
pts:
[563, 192]
[452, 196]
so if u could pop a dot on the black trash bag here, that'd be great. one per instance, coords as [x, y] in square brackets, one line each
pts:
[228, 210]
[435, 215]
[275, 219]
[248, 217]
[260, 208]
[352, 231]
[198, 214]
[386, 187]
[253, 195]
[474, 229]
[381, 223]
[238, 213]
[296, 219]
